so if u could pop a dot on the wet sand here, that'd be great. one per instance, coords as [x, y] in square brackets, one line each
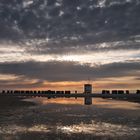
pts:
[60, 119]
[6, 101]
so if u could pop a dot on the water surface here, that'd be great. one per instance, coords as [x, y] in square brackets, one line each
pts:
[71, 119]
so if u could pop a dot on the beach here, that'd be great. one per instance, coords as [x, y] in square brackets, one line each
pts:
[43, 119]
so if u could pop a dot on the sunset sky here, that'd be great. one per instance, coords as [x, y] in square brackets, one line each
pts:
[60, 44]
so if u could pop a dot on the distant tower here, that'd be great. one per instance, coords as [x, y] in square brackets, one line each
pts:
[88, 90]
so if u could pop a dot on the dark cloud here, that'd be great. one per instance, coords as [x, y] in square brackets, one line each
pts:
[137, 78]
[56, 19]
[69, 26]
[69, 71]
[81, 47]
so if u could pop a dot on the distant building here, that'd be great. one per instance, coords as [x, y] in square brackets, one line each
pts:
[67, 92]
[127, 91]
[114, 92]
[120, 92]
[59, 92]
[105, 92]
[138, 92]
[87, 88]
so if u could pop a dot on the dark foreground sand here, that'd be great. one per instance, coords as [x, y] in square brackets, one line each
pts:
[59, 119]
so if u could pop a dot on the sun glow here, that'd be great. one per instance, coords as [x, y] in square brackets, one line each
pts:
[101, 57]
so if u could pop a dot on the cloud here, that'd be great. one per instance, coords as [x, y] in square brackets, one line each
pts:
[104, 33]
[42, 47]
[94, 21]
[70, 26]
[69, 71]
[137, 78]
[14, 84]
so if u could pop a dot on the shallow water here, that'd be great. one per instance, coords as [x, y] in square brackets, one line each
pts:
[71, 119]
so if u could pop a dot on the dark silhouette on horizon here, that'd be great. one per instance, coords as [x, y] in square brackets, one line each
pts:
[87, 94]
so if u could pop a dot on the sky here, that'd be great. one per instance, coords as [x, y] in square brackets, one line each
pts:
[62, 44]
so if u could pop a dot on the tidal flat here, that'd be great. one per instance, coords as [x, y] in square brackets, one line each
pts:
[60, 119]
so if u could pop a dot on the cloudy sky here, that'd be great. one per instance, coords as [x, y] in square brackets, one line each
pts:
[60, 44]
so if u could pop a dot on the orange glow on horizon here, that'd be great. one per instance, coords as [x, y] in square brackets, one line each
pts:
[125, 83]
[98, 86]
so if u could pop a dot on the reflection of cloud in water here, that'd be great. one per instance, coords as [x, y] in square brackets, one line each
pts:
[103, 118]
[45, 101]
[117, 104]
[14, 129]
[99, 128]
[98, 102]
[95, 128]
